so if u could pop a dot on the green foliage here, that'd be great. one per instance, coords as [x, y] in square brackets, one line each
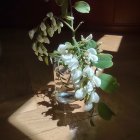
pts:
[82, 7]
[83, 58]
[109, 84]
[91, 44]
[105, 61]
[104, 111]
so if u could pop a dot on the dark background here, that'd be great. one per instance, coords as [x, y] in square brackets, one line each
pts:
[108, 15]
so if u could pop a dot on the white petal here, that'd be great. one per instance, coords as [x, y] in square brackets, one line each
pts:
[76, 81]
[93, 57]
[94, 98]
[76, 75]
[62, 48]
[73, 64]
[88, 106]
[88, 72]
[88, 87]
[77, 85]
[79, 94]
[89, 37]
[96, 80]
[67, 58]
[92, 51]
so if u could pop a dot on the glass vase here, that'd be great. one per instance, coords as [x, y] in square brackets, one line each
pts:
[64, 89]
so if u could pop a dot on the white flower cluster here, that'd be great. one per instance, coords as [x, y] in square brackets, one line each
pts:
[83, 77]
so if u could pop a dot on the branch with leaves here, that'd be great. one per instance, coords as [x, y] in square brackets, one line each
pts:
[83, 58]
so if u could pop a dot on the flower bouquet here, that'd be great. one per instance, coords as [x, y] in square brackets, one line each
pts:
[82, 60]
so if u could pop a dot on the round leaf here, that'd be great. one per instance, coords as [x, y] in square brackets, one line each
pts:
[105, 61]
[91, 44]
[104, 111]
[108, 83]
[82, 7]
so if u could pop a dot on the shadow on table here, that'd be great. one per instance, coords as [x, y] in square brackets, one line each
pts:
[65, 113]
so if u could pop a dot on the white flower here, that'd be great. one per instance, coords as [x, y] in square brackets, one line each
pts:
[92, 51]
[89, 37]
[94, 97]
[76, 75]
[71, 61]
[73, 64]
[67, 58]
[96, 81]
[92, 55]
[62, 48]
[89, 87]
[88, 72]
[88, 106]
[77, 85]
[79, 94]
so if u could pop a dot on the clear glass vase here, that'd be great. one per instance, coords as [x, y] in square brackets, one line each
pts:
[64, 89]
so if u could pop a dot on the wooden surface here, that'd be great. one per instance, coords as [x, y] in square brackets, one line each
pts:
[24, 116]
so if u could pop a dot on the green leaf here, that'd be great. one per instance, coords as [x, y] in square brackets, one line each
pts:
[91, 44]
[59, 2]
[109, 84]
[46, 60]
[105, 61]
[82, 7]
[104, 111]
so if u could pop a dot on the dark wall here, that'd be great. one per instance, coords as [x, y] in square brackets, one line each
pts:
[113, 15]
[21, 13]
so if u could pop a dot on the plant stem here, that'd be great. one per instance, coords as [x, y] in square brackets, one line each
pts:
[78, 26]
[71, 12]
[71, 25]
[68, 25]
